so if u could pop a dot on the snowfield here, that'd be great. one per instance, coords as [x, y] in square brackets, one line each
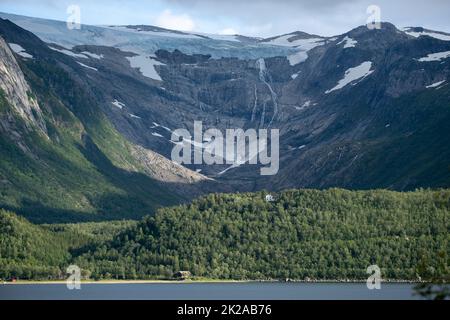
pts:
[348, 43]
[353, 74]
[435, 56]
[303, 45]
[436, 35]
[146, 66]
[297, 58]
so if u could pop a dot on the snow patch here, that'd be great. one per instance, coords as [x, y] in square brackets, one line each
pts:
[303, 44]
[294, 76]
[297, 58]
[118, 104]
[157, 135]
[93, 55]
[157, 125]
[86, 66]
[435, 56]
[348, 42]
[228, 169]
[435, 35]
[134, 116]
[70, 53]
[353, 74]
[435, 85]
[20, 51]
[307, 104]
[146, 66]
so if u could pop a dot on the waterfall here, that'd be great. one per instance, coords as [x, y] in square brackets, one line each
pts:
[263, 76]
[255, 105]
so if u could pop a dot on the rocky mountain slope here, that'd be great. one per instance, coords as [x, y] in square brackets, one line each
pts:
[62, 160]
[366, 109]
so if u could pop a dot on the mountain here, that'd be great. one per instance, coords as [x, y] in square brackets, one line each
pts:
[365, 109]
[62, 160]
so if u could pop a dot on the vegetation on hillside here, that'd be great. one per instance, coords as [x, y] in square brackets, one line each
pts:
[332, 234]
[29, 251]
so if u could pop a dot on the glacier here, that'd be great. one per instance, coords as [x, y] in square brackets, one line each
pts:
[146, 42]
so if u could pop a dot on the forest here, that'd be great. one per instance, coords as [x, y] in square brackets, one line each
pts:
[332, 234]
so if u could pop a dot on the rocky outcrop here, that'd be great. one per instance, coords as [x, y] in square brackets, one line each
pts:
[174, 176]
[17, 92]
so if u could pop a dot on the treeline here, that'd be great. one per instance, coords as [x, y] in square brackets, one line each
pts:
[303, 234]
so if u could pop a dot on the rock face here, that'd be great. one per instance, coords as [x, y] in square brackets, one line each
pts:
[181, 180]
[17, 92]
[65, 162]
[366, 109]
[338, 127]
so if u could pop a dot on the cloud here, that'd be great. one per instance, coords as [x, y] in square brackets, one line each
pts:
[169, 20]
[324, 17]
[228, 32]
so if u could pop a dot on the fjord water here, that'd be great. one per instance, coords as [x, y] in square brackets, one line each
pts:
[209, 291]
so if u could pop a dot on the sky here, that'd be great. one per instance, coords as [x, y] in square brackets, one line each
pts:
[263, 18]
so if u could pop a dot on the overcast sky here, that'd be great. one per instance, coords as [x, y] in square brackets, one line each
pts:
[249, 17]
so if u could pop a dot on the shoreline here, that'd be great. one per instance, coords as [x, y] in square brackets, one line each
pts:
[209, 281]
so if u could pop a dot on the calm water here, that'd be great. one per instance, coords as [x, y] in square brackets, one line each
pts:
[208, 291]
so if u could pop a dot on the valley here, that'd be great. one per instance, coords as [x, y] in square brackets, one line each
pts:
[88, 177]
